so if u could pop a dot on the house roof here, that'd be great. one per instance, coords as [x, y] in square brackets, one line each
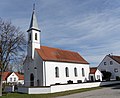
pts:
[93, 70]
[7, 74]
[59, 55]
[21, 77]
[116, 58]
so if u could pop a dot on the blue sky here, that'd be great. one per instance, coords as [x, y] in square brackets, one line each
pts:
[90, 27]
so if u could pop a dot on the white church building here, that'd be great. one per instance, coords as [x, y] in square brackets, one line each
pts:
[46, 66]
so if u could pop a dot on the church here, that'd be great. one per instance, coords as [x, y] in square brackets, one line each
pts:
[46, 66]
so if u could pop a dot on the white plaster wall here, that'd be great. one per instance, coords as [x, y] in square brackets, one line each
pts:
[60, 88]
[13, 75]
[50, 72]
[98, 73]
[39, 90]
[109, 67]
[35, 43]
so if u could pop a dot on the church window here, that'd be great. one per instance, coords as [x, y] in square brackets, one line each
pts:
[35, 36]
[67, 72]
[83, 72]
[56, 72]
[75, 72]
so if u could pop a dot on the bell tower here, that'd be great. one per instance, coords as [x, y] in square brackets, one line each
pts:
[33, 35]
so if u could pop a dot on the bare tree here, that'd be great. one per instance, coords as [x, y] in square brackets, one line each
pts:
[12, 46]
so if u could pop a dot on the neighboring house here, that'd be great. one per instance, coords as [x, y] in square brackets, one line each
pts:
[111, 63]
[45, 66]
[95, 74]
[13, 77]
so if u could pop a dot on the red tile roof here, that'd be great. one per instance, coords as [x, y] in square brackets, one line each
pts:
[59, 55]
[7, 74]
[93, 70]
[21, 77]
[116, 58]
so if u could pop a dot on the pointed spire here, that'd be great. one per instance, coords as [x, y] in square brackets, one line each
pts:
[33, 23]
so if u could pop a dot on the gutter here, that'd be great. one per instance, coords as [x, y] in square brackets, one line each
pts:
[44, 74]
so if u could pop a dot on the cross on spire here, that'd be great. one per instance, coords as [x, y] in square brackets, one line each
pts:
[33, 6]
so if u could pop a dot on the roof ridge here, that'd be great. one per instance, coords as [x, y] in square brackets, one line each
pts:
[60, 55]
[60, 49]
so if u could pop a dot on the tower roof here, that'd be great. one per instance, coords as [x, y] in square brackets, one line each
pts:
[33, 23]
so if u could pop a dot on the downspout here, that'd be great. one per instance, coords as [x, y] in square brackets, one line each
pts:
[44, 74]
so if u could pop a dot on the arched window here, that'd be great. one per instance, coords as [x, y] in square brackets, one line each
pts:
[83, 72]
[38, 82]
[35, 36]
[31, 79]
[56, 72]
[67, 72]
[75, 72]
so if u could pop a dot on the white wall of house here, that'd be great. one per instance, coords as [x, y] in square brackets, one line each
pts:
[113, 68]
[52, 79]
[96, 76]
[12, 78]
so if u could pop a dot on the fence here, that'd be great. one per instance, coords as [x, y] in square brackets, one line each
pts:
[60, 88]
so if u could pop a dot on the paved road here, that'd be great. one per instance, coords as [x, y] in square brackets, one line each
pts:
[107, 92]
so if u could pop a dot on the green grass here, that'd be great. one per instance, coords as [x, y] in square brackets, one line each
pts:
[18, 95]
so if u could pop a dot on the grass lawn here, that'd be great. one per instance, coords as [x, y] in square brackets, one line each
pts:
[18, 95]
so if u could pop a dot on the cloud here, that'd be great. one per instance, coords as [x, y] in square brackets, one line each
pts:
[90, 27]
[96, 33]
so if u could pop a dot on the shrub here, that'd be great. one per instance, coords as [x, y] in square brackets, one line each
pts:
[79, 81]
[70, 82]
[57, 83]
[106, 75]
[97, 80]
[117, 78]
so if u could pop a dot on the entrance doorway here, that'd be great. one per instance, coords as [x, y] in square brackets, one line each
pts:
[92, 78]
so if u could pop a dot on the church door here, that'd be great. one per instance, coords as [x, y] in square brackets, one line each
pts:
[31, 79]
